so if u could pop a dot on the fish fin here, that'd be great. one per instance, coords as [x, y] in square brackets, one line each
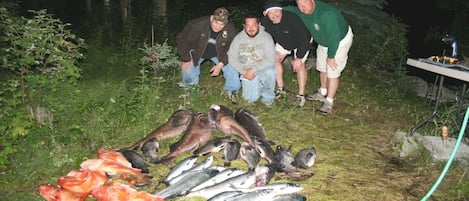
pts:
[173, 146]
[154, 161]
[271, 143]
[165, 160]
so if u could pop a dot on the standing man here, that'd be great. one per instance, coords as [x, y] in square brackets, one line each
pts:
[291, 38]
[252, 54]
[334, 37]
[208, 38]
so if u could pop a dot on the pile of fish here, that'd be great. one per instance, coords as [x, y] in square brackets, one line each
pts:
[118, 174]
[223, 183]
[220, 182]
[94, 178]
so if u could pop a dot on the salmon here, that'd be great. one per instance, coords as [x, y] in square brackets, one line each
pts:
[122, 192]
[107, 166]
[176, 125]
[198, 134]
[111, 155]
[55, 193]
[82, 181]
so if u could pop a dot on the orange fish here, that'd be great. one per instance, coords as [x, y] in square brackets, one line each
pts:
[122, 192]
[109, 167]
[82, 181]
[54, 193]
[110, 155]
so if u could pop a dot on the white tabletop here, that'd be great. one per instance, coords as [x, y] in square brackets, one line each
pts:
[453, 71]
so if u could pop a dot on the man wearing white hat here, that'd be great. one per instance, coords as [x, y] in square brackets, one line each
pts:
[291, 38]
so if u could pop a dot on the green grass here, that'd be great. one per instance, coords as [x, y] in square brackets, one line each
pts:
[356, 159]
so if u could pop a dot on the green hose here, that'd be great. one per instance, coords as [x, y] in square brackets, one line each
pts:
[450, 160]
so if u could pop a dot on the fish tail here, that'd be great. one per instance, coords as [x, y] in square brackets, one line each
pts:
[166, 160]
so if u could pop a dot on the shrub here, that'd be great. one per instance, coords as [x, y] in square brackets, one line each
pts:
[40, 53]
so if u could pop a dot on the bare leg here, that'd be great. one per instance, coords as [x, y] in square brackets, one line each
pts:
[301, 76]
[279, 69]
[332, 86]
[323, 79]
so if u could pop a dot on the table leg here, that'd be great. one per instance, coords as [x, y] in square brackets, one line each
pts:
[461, 101]
[435, 109]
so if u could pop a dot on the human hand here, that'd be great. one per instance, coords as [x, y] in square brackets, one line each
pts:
[185, 65]
[296, 64]
[249, 74]
[216, 69]
[331, 63]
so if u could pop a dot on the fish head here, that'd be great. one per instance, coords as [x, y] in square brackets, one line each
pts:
[311, 156]
[151, 145]
[249, 154]
[216, 112]
[202, 119]
[264, 150]
[182, 117]
[263, 174]
[306, 157]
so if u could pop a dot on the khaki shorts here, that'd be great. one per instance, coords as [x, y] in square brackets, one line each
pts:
[284, 52]
[340, 57]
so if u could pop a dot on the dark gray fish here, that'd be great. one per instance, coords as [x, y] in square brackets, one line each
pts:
[150, 149]
[264, 149]
[222, 119]
[264, 174]
[250, 155]
[284, 159]
[251, 123]
[305, 158]
[198, 133]
[290, 197]
[135, 159]
[214, 145]
[231, 152]
[176, 125]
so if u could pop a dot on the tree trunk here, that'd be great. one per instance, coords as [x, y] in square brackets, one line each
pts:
[125, 10]
[88, 7]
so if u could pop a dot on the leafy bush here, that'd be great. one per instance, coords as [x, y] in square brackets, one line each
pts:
[40, 53]
[157, 60]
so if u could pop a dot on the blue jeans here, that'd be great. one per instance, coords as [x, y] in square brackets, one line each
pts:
[232, 82]
[262, 85]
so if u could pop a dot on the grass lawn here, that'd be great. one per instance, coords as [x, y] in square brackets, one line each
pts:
[356, 157]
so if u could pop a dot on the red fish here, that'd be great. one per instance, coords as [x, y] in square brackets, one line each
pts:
[122, 192]
[54, 193]
[110, 155]
[82, 181]
[107, 166]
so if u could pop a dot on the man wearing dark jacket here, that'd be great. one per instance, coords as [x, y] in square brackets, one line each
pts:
[208, 38]
[291, 38]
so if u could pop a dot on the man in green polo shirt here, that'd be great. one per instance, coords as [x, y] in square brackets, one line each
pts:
[334, 37]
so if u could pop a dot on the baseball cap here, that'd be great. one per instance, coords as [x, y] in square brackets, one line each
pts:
[221, 14]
